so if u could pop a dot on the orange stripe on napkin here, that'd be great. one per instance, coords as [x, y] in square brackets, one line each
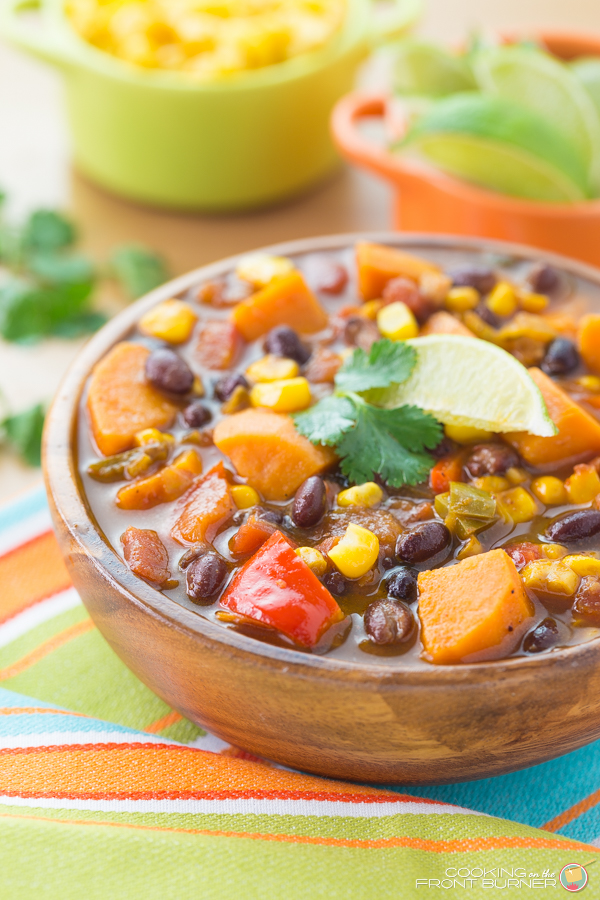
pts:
[160, 724]
[159, 770]
[451, 846]
[37, 710]
[572, 813]
[63, 637]
[31, 573]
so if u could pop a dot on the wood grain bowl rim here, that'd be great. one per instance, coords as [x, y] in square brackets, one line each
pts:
[64, 487]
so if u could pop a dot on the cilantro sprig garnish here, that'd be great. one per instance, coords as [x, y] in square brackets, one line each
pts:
[370, 440]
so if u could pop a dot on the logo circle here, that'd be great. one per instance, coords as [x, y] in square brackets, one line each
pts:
[573, 877]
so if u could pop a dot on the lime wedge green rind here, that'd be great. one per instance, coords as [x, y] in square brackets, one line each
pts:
[549, 89]
[464, 381]
[587, 72]
[424, 69]
[499, 145]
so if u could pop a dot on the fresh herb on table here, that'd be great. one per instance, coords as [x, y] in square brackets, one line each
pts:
[369, 440]
[23, 432]
[48, 288]
[138, 269]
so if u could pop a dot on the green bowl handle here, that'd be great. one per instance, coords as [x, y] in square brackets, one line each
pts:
[43, 41]
[395, 21]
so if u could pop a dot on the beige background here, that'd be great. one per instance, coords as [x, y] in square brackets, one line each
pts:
[34, 170]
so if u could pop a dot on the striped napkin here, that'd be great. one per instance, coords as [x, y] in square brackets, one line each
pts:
[105, 792]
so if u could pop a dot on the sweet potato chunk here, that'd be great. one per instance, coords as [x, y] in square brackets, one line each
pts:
[166, 485]
[250, 536]
[578, 432]
[445, 323]
[286, 301]
[377, 264]
[208, 506]
[121, 402]
[219, 345]
[145, 554]
[475, 610]
[589, 342]
[266, 449]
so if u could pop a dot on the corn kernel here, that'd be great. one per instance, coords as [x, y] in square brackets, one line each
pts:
[461, 299]
[590, 383]
[198, 387]
[371, 308]
[583, 565]
[272, 368]
[313, 558]
[367, 495]
[466, 434]
[244, 496]
[286, 396]
[583, 485]
[533, 303]
[240, 399]
[152, 436]
[516, 475]
[493, 484]
[261, 268]
[171, 321]
[345, 353]
[549, 490]
[550, 576]
[397, 322]
[516, 504]
[554, 551]
[502, 300]
[356, 552]
[470, 548]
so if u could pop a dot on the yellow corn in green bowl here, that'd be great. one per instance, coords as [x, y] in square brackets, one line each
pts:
[161, 138]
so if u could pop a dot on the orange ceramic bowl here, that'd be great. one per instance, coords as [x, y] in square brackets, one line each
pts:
[428, 200]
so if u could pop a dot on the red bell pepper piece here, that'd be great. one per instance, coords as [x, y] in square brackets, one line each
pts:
[446, 470]
[276, 588]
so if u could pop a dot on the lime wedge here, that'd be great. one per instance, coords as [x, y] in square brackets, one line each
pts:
[587, 72]
[465, 381]
[497, 144]
[423, 69]
[548, 88]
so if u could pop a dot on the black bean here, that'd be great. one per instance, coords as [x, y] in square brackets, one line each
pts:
[561, 357]
[544, 279]
[388, 622]
[446, 447]
[482, 278]
[575, 526]
[310, 502]
[543, 636]
[269, 515]
[361, 332]
[197, 414]
[401, 584]
[284, 341]
[205, 576]
[490, 318]
[424, 542]
[168, 372]
[335, 583]
[490, 459]
[225, 386]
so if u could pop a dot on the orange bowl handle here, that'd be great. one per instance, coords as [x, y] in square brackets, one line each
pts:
[352, 143]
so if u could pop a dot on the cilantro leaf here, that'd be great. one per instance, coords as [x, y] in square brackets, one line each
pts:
[60, 268]
[138, 269]
[46, 229]
[29, 313]
[24, 432]
[390, 443]
[388, 362]
[328, 421]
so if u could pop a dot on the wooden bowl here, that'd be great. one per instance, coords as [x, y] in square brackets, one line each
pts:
[367, 722]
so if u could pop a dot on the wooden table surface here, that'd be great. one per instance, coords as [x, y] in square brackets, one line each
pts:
[35, 171]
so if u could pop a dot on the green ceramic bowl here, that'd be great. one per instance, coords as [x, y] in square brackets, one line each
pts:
[254, 139]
